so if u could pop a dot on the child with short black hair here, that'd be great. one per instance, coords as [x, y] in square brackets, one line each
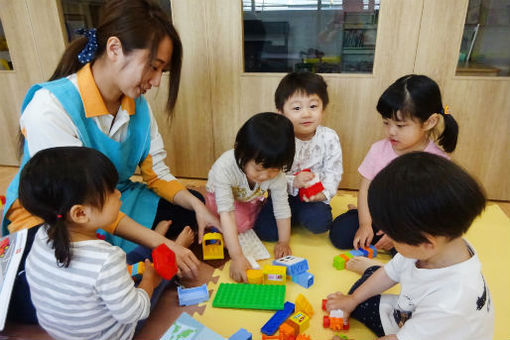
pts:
[302, 97]
[240, 179]
[414, 119]
[424, 203]
[80, 285]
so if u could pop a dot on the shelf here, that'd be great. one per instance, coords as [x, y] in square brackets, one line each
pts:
[358, 50]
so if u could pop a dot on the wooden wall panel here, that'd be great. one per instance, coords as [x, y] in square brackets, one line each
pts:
[188, 138]
[19, 34]
[481, 105]
[51, 37]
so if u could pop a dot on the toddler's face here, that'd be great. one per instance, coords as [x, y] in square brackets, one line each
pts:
[110, 210]
[256, 173]
[406, 135]
[305, 113]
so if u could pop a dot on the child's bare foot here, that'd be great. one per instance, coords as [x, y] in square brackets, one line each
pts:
[186, 237]
[351, 207]
[162, 227]
[359, 264]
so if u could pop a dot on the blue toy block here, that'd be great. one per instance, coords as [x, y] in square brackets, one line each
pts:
[374, 249]
[303, 279]
[295, 265]
[241, 334]
[192, 296]
[357, 252]
[277, 319]
[363, 251]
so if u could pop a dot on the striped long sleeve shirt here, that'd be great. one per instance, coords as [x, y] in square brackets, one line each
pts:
[93, 298]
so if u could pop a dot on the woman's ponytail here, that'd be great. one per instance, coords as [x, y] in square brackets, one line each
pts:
[69, 62]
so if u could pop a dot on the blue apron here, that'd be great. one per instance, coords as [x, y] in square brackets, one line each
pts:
[138, 202]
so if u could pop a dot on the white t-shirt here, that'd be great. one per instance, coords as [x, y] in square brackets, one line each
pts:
[229, 183]
[323, 156]
[451, 303]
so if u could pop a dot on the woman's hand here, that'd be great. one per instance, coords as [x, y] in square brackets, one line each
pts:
[384, 242]
[187, 262]
[363, 237]
[238, 268]
[282, 249]
[205, 219]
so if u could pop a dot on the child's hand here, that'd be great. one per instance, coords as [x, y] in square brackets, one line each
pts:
[302, 178]
[150, 276]
[315, 198]
[238, 268]
[363, 237]
[340, 301]
[384, 242]
[282, 249]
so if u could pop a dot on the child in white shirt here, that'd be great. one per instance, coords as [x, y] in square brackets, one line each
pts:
[424, 203]
[241, 178]
[302, 97]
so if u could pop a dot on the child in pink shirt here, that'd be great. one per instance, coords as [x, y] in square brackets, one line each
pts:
[414, 119]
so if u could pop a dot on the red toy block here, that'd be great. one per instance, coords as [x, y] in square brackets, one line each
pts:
[164, 261]
[315, 187]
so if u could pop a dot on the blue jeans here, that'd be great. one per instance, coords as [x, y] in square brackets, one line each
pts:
[314, 216]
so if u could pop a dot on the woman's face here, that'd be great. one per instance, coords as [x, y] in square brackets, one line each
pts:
[138, 74]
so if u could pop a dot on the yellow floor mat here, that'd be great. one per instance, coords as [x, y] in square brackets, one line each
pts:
[490, 235]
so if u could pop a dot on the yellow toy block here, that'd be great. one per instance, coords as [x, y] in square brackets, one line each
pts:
[212, 246]
[275, 275]
[255, 276]
[301, 320]
[303, 305]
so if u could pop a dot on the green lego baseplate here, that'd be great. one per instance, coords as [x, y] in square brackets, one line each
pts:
[250, 296]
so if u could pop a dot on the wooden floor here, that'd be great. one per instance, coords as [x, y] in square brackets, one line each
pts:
[7, 173]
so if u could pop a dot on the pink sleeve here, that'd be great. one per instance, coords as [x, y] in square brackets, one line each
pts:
[368, 168]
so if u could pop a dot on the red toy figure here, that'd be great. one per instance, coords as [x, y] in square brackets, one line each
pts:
[314, 187]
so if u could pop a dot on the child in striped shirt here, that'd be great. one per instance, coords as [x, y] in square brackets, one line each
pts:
[79, 284]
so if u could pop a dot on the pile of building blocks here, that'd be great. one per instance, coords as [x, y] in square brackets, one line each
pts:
[313, 187]
[163, 261]
[291, 321]
[193, 295]
[341, 260]
[335, 320]
[212, 246]
[297, 269]
[250, 296]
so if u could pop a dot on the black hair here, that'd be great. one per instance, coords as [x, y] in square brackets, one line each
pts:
[421, 194]
[139, 24]
[305, 82]
[268, 139]
[55, 179]
[418, 97]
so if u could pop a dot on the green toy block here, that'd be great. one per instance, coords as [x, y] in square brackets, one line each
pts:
[250, 296]
[339, 262]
